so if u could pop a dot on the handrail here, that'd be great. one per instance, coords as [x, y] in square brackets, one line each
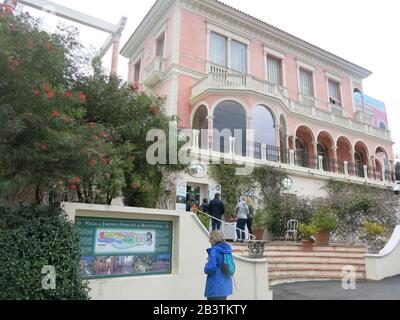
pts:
[253, 237]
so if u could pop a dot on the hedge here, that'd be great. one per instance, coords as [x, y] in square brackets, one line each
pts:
[34, 237]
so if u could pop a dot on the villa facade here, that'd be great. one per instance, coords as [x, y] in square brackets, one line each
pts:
[299, 107]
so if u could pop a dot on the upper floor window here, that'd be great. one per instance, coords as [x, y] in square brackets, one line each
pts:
[218, 49]
[160, 45]
[239, 56]
[334, 93]
[274, 69]
[306, 83]
[136, 76]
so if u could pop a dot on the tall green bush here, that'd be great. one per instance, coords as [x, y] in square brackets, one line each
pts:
[34, 237]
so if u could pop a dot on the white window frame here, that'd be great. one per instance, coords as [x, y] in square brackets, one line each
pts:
[157, 36]
[229, 37]
[140, 58]
[311, 69]
[277, 54]
[335, 78]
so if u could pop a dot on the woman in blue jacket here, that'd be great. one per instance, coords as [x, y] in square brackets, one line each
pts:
[218, 286]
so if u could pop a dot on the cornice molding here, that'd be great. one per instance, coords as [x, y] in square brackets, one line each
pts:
[154, 19]
[267, 33]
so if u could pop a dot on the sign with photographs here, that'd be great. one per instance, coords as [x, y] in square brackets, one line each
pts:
[119, 248]
[181, 190]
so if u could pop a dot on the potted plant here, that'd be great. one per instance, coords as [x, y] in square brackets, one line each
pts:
[306, 233]
[259, 224]
[326, 222]
[374, 237]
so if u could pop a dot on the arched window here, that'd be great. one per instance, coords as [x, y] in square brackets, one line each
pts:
[382, 125]
[359, 158]
[301, 153]
[230, 117]
[264, 126]
[358, 99]
[323, 152]
[200, 122]
[283, 141]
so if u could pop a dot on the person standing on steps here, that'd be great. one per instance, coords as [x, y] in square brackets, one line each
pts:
[242, 212]
[216, 209]
[250, 204]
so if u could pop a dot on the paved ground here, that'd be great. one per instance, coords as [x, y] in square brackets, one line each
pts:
[388, 289]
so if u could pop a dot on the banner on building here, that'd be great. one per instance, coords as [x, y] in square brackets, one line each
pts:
[121, 248]
[181, 190]
[213, 190]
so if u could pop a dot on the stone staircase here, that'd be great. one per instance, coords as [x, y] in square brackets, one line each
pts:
[287, 262]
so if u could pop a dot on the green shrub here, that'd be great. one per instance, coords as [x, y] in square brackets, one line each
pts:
[324, 218]
[31, 238]
[205, 220]
[307, 231]
[259, 219]
[374, 230]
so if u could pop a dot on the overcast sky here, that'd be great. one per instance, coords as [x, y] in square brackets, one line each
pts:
[365, 32]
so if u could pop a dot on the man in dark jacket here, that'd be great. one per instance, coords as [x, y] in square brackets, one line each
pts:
[216, 209]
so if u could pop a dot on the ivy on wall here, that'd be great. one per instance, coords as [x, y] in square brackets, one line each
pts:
[267, 180]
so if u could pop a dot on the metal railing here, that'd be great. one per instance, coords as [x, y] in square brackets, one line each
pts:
[251, 236]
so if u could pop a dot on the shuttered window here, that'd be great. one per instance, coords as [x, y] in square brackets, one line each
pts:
[274, 70]
[160, 46]
[239, 57]
[306, 83]
[334, 93]
[137, 71]
[218, 49]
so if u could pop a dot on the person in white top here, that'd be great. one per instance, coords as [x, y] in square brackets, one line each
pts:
[242, 212]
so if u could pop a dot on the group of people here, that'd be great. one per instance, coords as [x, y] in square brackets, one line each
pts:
[244, 213]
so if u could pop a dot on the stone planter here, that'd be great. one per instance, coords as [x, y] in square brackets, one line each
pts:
[256, 249]
[307, 245]
[259, 233]
[322, 238]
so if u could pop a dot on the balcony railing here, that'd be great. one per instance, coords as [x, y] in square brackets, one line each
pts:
[299, 158]
[154, 71]
[308, 101]
[224, 79]
[364, 117]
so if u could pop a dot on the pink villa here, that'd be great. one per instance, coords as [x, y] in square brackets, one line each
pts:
[300, 108]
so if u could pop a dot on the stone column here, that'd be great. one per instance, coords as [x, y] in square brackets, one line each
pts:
[210, 133]
[250, 138]
[277, 134]
[335, 159]
[371, 162]
[264, 152]
[346, 168]
[353, 159]
[315, 155]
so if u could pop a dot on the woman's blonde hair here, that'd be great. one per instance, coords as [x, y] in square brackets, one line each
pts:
[217, 236]
[249, 201]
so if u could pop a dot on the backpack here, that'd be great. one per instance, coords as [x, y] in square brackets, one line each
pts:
[228, 265]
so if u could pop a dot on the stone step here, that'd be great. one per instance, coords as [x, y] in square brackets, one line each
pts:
[276, 280]
[342, 254]
[316, 259]
[313, 266]
[360, 250]
[305, 272]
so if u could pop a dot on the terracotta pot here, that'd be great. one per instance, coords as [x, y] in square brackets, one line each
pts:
[307, 245]
[322, 237]
[259, 233]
